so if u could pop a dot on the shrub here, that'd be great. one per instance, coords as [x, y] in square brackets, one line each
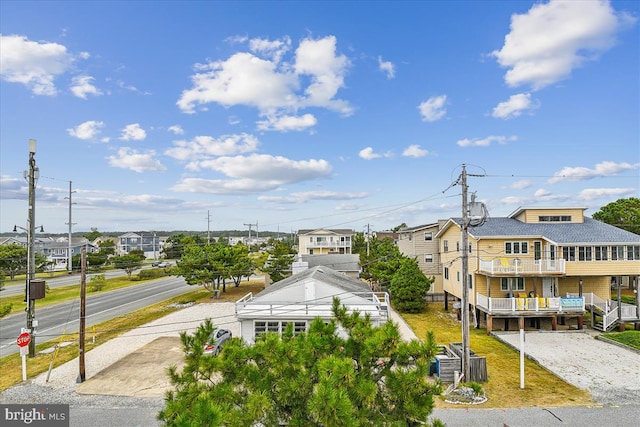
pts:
[5, 309]
[97, 283]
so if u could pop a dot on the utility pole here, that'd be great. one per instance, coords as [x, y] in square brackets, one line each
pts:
[34, 173]
[83, 303]
[466, 353]
[208, 230]
[69, 255]
[251, 225]
[367, 239]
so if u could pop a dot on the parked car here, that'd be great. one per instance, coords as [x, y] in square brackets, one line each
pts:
[216, 340]
[156, 263]
[161, 264]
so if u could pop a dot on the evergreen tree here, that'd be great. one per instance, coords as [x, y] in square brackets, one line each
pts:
[314, 378]
[409, 287]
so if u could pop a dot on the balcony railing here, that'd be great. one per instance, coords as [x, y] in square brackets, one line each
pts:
[328, 244]
[517, 266]
[528, 305]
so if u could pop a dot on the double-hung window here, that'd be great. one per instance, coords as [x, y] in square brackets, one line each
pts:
[513, 248]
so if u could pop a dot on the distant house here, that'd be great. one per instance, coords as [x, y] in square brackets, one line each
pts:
[421, 244]
[57, 250]
[301, 298]
[149, 243]
[325, 241]
[542, 264]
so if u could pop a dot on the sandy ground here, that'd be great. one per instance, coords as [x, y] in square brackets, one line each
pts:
[609, 372]
[134, 364]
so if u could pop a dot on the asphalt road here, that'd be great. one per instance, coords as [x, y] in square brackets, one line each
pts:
[56, 282]
[55, 320]
[619, 416]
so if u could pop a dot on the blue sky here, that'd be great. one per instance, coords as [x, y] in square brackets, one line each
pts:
[296, 115]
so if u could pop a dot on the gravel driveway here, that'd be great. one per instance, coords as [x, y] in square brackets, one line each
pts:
[609, 372]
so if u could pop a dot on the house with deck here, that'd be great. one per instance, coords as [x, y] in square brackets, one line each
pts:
[545, 266]
[323, 241]
[305, 296]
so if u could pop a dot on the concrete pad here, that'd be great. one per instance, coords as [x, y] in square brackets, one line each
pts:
[610, 373]
[142, 373]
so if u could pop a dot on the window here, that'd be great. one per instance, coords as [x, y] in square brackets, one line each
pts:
[446, 273]
[554, 218]
[633, 253]
[428, 258]
[428, 235]
[512, 284]
[445, 244]
[537, 251]
[617, 253]
[470, 281]
[584, 253]
[457, 246]
[310, 251]
[260, 327]
[469, 247]
[458, 276]
[569, 253]
[516, 248]
[601, 253]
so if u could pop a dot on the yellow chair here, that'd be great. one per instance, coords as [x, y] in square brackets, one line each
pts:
[542, 302]
[521, 303]
[504, 263]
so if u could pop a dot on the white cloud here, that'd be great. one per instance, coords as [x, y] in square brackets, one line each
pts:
[415, 151]
[520, 185]
[601, 169]
[433, 109]
[368, 154]
[387, 67]
[287, 123]
[34, 64]
[176, 129]
[485, 142]
[133, 132]
[81, 86]
[274, 88]
[541, 193]
[552, 39]
[254, 174]
[204, 147]
[268, 168]
[87, 130]
[128, 158]
[303, 197]
[274, 49]
[514, 107]
[600, 193]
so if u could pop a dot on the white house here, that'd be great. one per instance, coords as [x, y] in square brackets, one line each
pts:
[301, 298]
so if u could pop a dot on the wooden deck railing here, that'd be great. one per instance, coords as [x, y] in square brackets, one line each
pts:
[516, 266]
[534, 304]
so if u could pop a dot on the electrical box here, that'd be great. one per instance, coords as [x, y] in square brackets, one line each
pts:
[36, 289]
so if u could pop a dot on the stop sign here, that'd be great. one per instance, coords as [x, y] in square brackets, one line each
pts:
[23, 339]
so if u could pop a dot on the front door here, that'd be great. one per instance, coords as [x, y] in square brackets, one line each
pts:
[548, 287]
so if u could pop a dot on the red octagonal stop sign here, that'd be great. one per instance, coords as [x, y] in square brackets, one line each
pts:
[23, 339]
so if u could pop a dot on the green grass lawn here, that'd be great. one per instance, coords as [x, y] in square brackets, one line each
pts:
[542, 388]
[630, 338]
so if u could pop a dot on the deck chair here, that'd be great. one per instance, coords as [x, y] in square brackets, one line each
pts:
[504, 263]
[521, 303]
[542, 302]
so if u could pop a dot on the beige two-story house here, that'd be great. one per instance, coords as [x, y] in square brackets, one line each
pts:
[421, 244]
[545, 265]
[323, 241]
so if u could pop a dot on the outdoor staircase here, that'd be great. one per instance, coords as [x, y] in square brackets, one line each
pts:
[605, 315]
